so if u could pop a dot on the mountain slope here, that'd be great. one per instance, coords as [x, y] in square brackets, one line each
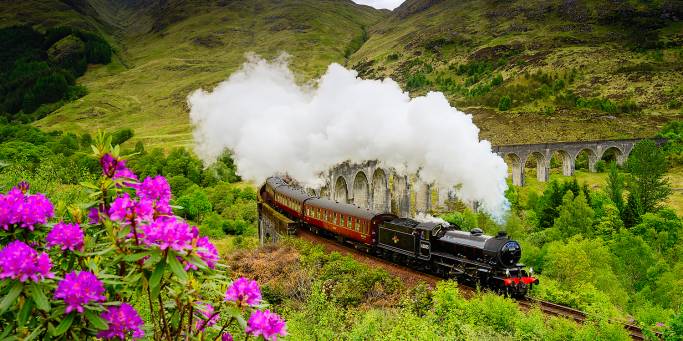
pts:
[573, 69]
[170, 48]
[528, 71]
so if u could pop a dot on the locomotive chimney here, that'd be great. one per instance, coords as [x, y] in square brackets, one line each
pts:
[501, 234]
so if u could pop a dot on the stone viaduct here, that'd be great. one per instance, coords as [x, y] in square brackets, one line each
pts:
[567, 151]
[381, 189]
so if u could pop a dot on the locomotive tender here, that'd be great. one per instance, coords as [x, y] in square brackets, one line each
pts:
[470, 257]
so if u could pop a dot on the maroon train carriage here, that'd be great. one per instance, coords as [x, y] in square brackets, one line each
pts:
[344, 220]
[285, 197]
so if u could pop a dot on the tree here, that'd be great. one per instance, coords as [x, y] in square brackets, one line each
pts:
[195, 204]
[576, 216]
[647, 183]
[615, 187]
[633, 258]
[609, 223]
[661, 230]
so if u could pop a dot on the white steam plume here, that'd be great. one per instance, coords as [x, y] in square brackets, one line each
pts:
[272, 125]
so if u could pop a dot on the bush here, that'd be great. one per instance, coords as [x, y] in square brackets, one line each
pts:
[600, 166]
[194, 204]
[121, 136]
[213, 226]
[505, 103]
[416, 81]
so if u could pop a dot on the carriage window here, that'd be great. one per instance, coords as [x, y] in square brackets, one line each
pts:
[341, 220]
[357, 225]
[349, 222]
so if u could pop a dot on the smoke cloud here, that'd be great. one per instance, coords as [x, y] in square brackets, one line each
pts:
[274, 125]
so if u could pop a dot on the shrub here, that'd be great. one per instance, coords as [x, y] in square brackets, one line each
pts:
[600, 166]
[121, 136]
[505, 103]
[213, 226]
[416, 81]
[194, 204]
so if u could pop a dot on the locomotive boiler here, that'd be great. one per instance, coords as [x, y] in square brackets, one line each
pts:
[470, 257]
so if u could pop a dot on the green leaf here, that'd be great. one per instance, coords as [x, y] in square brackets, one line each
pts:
[198, 262]
[155, 279]
[24, 313]
[39, 298]
[176, 267]
[11, 296]
[34, 334]
[135, 256]
[98, 253]
[64, 325]
[96, 320]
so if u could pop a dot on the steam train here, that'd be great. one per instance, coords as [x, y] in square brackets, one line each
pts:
[468, 256]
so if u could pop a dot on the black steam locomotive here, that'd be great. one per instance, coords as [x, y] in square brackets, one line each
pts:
[468, 256]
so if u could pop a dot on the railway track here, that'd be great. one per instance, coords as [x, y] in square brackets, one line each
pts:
[412, 277]
[579, 316]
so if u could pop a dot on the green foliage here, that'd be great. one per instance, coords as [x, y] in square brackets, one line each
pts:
[674, 331]
[36, 69]
[580, 263]
[575, 217]
[615, 187]
[466, 220]
[122, 135]
[195, 204]
[212, 226]
[673, 132]
[505, 103]
[547, 206]
[662, 230]
[416, 81]
[633, 258]
[647, 182]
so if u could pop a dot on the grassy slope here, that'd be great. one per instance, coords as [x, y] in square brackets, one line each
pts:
[166, 51]
[147, 87]
[546, 38]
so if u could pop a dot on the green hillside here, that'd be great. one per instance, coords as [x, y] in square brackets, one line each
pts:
[165, 52]
[572, 69]
[529, 71]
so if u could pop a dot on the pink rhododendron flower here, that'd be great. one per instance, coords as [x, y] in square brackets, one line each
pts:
[168, 232]
[207, 252]
[267, 324]
[20, 261]
[244, 291]
[94, 216]
[226, 337]
[115, 168]
[123, 322]
[68, 236]
[25, 211]
[156, 190]
[126, 210]
[78, 289]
